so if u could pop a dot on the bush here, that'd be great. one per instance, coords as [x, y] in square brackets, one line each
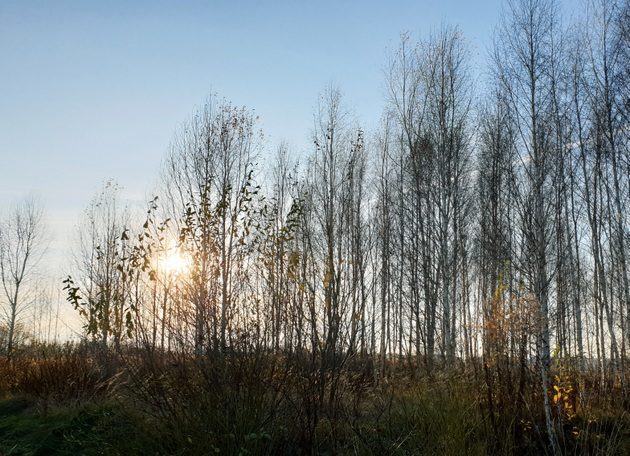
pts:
[53, 374]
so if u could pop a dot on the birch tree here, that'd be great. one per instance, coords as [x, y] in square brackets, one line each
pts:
[22, 244]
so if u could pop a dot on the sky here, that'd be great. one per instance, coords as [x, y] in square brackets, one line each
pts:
[95, 90]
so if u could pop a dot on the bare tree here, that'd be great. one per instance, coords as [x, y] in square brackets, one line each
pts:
[22, 244]
[430, 95]
[525, 58]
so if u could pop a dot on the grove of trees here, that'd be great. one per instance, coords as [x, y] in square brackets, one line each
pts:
[483, 228]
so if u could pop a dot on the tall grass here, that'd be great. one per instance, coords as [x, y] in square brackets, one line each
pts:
[263, 404]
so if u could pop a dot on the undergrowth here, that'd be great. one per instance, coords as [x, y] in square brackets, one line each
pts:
[61, 401]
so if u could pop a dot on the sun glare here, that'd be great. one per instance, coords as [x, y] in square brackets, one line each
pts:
[174, 263]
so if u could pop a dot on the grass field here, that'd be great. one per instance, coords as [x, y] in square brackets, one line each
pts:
[57, 405]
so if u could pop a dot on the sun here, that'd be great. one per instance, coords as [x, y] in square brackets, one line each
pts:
[173, 262]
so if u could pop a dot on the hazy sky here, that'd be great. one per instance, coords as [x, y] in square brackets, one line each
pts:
[93, 90]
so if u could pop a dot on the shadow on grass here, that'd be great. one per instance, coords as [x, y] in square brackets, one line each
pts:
[90, 430]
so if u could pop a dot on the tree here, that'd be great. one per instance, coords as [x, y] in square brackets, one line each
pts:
[210, 186]
[102, 241]
[430, 96]
[525, 56]
[22, 244]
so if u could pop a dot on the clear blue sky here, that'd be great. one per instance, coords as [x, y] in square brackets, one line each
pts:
[91, 90]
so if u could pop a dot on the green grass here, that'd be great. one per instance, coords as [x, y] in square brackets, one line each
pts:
[89, 430]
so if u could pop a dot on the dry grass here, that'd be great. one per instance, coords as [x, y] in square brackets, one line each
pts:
[264, 404]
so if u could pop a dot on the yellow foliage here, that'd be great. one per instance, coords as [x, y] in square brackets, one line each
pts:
[564, 395]
[327, 279]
